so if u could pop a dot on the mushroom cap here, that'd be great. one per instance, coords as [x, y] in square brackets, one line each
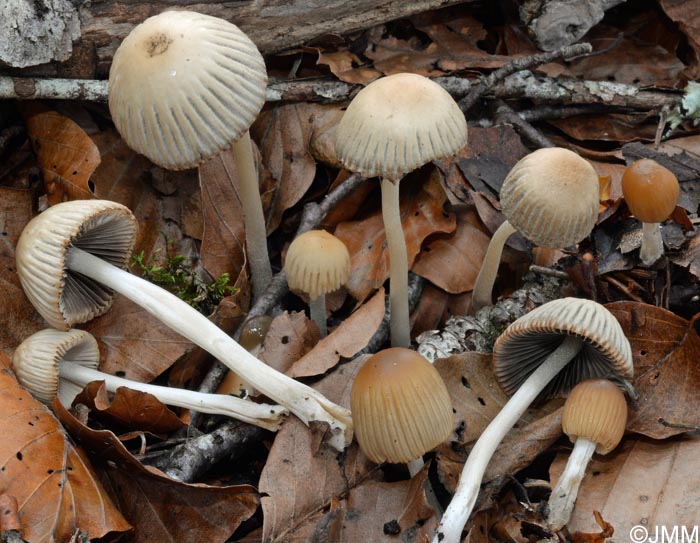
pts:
[596, 410]
[400, 406]
[398, 123]
[36, 361]
[317, 263]
[184, 86]
[650, 190]
[103, 228]
[551, 196]
[527, 342]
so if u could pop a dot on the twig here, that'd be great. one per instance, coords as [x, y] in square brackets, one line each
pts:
[623, 288]
[544, 270]
[679, 425]
[519, 64]
[27, 88]
[506, 114]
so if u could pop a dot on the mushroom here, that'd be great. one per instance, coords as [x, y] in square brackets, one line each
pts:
[543, 353]
[400, 407]
[69, 261]
[317, 263]
[651, 192]
[184, 86]
[393, 126]
[551, 197]
[594, 418]
[54, 363]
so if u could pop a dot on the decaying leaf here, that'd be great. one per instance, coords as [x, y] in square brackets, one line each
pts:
[52, 481]
[291, 335]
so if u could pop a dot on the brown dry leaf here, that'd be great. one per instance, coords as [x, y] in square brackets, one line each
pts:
[347, 67]
[291, 336]
[51, 479]
[666, 350]
[283, 135]
[129, 409]
[641, 483]
[161, 509]
[430, 311]
[690, 257]
[322, 144]
[607, 126]
[453, 263]
[351, 336]
[422, 214]
[66, 154]
[687, 16]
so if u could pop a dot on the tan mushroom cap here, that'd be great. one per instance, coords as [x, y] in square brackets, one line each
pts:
[37, 360]
[184, 86]
[551, 196]
[398, 123]
[103, 228]
[650, 190]
[317, 263]
[525, 344]
[596, 410]
[400, 406]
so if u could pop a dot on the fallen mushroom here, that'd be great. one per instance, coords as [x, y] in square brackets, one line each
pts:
[594, 418]
[54, 363]
[400, 407]
[317, 263]
[393, 126]
[551, 197]
[69, 261]
[184, 86]
[651, 192]
[543, 353]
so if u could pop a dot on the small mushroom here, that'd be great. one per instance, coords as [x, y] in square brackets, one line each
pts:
[69, 261]
[651, 192]
[594, 418]
[393, 126]
[551, 197]
[543, 353]
[54, 363]
[317, 263]
[184, 86]
[400, 407]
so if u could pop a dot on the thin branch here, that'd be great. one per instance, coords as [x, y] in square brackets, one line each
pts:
[27, 88]
[506, 114]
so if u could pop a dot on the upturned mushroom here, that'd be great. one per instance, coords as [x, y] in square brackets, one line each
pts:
[543, 353]
[594, 418]
[69, 261]
[551, 197]
[400, 407]
[317, 263]
[393, 126]
[651, 192]
[184, 86]
[54, 363]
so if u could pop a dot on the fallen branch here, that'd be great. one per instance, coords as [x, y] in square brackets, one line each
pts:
[506, 114]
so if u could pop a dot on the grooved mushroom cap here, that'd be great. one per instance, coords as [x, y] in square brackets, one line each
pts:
[400, 406]
[525, 344]
[317, 263]
[184, 86]
[551, 197]
[37, 360]
[103, 228]
[596, 410]
[398, 123]
[650, 190]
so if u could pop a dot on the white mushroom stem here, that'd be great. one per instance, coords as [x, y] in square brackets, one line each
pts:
[253, 216]
[457, 513]
[301, 400]
[483, 287]
[317, 311]
[652, 244]
[264, 415]
[398, 265]
[563, 497]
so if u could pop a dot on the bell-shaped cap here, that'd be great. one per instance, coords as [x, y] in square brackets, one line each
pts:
[400, 406]
[650, 190]
[528, 341]
[103, 228]
[397, 124]
[184, 86]
[317, 263]
[596, 410]
[551, 196]
[36, 362]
